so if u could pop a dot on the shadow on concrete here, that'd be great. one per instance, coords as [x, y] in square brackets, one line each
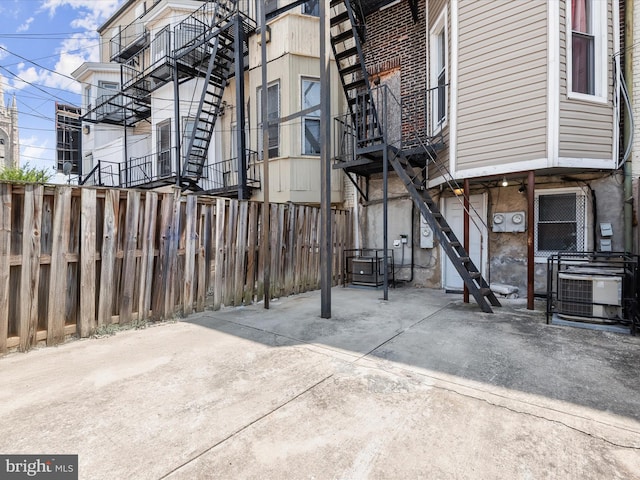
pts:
[432, 331]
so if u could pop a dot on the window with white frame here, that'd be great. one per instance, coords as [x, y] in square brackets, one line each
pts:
[587, 45]
[273, 114]
[438, 49]
[310, 90]
[560, 221]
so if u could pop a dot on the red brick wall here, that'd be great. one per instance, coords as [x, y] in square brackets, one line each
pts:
[394, 40]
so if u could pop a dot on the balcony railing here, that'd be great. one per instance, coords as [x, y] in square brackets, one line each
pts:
[144, 72]
[129, 40]
[222, 177]
[158, 169]
[106, 174]
[379, 117]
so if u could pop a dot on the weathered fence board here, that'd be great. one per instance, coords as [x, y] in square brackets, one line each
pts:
[191, 249]
[5, 263]
[87, 324]
[73, 260]
[30, 275]
[107, 258]
[129, 267]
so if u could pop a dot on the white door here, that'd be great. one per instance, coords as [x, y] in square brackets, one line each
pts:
[453, 211]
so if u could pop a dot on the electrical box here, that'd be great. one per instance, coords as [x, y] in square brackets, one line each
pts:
[605, 245]
[426, 234]
[509, 222]
[606, 230]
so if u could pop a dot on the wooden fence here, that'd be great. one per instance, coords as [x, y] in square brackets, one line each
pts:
[73, 259]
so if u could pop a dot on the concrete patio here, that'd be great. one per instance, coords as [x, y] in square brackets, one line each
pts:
[421, 386]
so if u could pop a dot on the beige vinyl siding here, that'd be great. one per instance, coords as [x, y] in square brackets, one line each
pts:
[586, 128]
[435, 9]
[502, 82]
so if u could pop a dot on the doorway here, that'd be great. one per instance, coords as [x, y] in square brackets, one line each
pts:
[453, 211]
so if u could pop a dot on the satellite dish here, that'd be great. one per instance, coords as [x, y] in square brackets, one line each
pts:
[66, 168]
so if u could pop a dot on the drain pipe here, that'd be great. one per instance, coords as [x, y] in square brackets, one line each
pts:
[628, 127]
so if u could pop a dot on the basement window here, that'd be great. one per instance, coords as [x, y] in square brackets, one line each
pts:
[560, 222]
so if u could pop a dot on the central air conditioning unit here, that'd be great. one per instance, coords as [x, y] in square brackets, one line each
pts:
[587, 297]
[368, 271]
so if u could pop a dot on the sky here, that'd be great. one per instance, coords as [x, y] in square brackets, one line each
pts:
[41, 43]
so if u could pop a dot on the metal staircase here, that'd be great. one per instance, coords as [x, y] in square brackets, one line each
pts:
[211, 44]
[371, 145]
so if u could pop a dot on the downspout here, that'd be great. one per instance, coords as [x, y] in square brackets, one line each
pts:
[628, 75]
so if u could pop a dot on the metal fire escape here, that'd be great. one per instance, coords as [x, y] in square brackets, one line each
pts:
[368, 136]
[210, 44]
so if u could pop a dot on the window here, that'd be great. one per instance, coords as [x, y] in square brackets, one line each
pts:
[161, 45]
[587, 39]
[87, 98]
[311, 7]
[164, 148]
[273, 113]
[311, 121]
[560, 222]
[187, 131]
[438, 67]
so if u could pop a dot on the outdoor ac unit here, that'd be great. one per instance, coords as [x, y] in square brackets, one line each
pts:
[368, 271]
[589, 297]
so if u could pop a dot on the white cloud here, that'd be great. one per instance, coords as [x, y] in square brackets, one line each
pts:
[25, 26]
[74, 51]
[3, 51]
[91, 12]
[36, 152]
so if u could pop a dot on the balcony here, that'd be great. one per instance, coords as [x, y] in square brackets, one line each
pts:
[151, 69]
[380, 120]
[222, 178]
[128, 41]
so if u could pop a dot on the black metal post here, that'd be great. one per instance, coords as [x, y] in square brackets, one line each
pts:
[385, 197]
[243, 193]
[125, 148]
[266, 207]
[326, 247]
[176, 114]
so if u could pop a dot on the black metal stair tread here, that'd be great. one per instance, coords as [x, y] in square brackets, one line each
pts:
[342, 36]
[356, 67]
[357, 84]
[349, 52]
[339, 18]
[335, 3]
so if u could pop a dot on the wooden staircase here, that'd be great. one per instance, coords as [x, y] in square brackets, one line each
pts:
[347, 33]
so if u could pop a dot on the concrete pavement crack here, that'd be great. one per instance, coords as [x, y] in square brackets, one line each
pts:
[541, 417]
[244, 427]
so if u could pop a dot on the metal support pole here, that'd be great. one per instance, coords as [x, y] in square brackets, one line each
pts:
[326, 247]
[466, 240]
[125, 148]
[176, 114]
[266, 268]
[243, 193]
[385, 219]
[531, 191]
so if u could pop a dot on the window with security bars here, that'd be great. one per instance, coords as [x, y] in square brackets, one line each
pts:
[560, 223]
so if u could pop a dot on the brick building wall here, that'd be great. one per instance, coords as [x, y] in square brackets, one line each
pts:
[395, 42]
